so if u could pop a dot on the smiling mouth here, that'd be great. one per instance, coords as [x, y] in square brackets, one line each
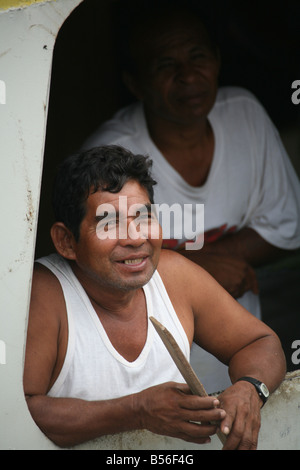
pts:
[193, 98]
[133, 261]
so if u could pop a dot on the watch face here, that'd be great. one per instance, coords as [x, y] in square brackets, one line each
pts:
[264, 390]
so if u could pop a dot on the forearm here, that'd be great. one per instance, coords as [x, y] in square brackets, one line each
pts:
[168, 409]
[247, 245]
[263, 360]
[233, 273]
[69, 421]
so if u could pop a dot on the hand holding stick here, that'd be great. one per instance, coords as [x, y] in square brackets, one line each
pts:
[182, 364]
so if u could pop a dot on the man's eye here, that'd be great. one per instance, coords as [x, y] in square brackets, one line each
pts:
[148, 215]
[200, 55]
[106, 223]
[144, 215]
[165, 66]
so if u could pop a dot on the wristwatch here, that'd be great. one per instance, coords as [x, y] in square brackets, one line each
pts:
[261, 388]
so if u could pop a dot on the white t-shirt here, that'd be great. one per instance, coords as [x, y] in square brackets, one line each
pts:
[251, 182]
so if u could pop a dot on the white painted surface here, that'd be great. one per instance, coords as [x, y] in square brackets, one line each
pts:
[281, 417]
[27, 37]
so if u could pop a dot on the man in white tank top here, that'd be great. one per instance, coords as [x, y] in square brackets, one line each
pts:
[94, 364]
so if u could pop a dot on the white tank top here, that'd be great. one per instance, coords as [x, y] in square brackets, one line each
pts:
[93, 369]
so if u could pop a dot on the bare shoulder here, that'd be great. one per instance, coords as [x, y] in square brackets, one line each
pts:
[43, 277]
[218, 322]
[176, 269]
[170, 258]
[185, 284]
[47, 303]
[45, 286]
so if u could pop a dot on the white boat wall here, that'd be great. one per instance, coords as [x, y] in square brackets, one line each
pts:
[28, 31]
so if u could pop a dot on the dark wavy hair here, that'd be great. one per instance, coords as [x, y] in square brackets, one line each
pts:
[105, 168]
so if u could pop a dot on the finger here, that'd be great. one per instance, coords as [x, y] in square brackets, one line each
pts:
[182, 387]
[194, 440]
[247, 283]
[194, 402]
[249, 440]
[213, 416]
[252, 283]
[197, 432]
[226, 425]
[242, 434]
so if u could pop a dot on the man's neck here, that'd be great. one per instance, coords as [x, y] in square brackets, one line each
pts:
[110, 301]
[188, 148]
[173, 135]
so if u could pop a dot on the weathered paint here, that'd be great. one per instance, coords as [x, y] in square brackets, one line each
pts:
[27, 38]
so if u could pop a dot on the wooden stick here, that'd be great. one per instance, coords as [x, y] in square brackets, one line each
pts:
[183, 365]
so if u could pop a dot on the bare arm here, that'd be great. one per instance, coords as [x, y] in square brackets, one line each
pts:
[262, 360]
[225, 329]
[165, 409]
[250, 348]
[70, 421]
[247, 245]
[234, 335]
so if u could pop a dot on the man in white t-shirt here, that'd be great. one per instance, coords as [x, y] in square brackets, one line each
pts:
[208, 146]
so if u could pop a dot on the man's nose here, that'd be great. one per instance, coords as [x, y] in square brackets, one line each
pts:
[133, 234]
[187, 73]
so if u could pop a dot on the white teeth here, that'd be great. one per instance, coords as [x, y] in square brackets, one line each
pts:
[133, 261]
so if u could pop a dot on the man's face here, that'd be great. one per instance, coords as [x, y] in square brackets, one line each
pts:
[105, 258]
[177, 71]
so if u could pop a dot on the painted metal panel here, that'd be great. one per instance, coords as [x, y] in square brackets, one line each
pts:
[27, 37]
[280, 428]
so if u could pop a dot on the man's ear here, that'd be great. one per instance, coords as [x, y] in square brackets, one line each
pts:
[131, 84]
[63, 240]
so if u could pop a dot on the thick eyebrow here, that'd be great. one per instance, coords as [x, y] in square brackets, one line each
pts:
[107, 216]
[164, 59]
[150, 210]
[116, 214]
[148, 207]
[200, 48]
